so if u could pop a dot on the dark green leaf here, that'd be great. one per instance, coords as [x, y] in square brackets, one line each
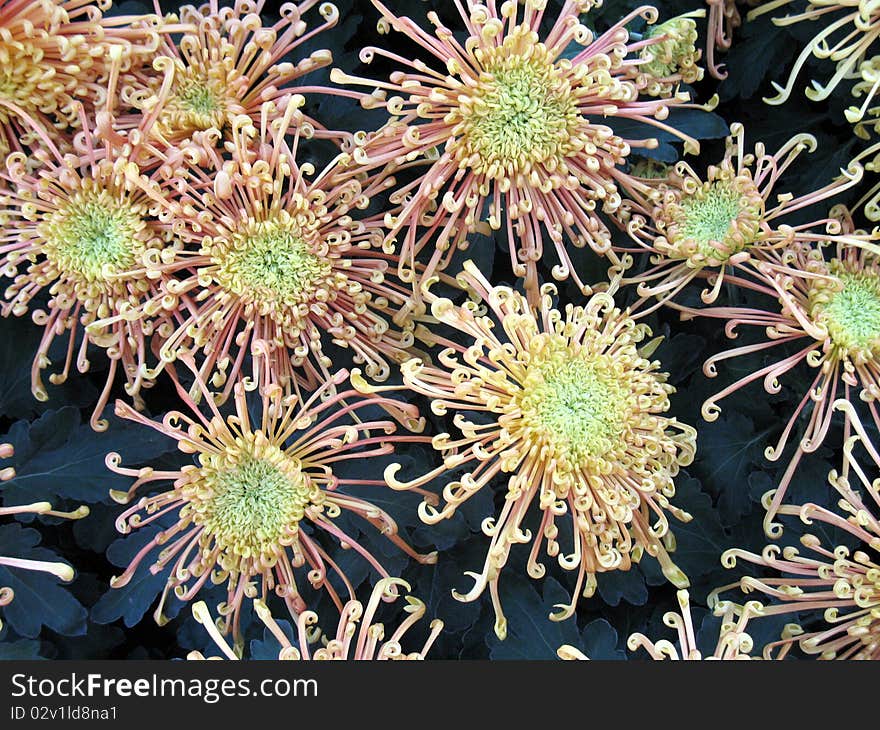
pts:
[40, 598]
[60, 456]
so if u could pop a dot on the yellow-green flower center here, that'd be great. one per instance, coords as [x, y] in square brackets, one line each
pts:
[852, 312]
[203, 106]
[270, 263]
[200, 99]
[709, 217]
[521, 113]
[714, 222]
[575, 405]
[648, 169]
[251, 506]
[93, 237]
[676, 53]
[202, 96]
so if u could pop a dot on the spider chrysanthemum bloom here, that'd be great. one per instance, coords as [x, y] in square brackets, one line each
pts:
[573, 411]
[672, 57]
[718, 225]
[75, 230]
[505, 130]
[228, 63]
[733, 641]
[277, 265]
[359, 637]
[847, 30]
[836, 586]
[825, 304]
[235, 515]
[52, 53]
[60, 570]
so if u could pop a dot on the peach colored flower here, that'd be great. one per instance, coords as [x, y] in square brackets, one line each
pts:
[501, 128]
[74, 227]
[226, 63]
[716, 226]
[257, 477]
[569, 406]
[278, 263]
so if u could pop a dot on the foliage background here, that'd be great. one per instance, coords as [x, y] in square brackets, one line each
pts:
[58, 457]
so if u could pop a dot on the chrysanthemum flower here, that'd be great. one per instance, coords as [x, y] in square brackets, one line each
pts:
[733, 641]
[827, 303]
[278, 265]
[238, 510]
[847, 31]
[718, 225]
[358, 636]
[671, 59]
[227, 63]
[75, 228]
[571, 408]
[52, 53]
[839, 584]
[59, 569]
[506, 128]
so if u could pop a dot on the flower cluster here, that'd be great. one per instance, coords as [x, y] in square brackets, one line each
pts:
[287, 305]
